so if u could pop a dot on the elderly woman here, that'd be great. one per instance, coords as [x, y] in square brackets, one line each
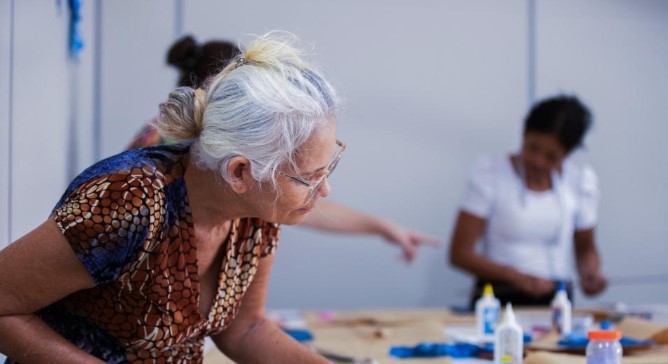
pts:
[150, 251]
[195, 63]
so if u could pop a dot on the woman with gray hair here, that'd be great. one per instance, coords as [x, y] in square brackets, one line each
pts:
[150, 251]
[196, 63]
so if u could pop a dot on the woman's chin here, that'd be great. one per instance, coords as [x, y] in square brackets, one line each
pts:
[296, 217]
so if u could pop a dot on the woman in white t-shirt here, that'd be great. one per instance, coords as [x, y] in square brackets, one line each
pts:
[532, 212]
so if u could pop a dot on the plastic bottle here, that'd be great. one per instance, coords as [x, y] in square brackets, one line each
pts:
[604, 347]
[509, 340]
[561, 311]
[487, 309]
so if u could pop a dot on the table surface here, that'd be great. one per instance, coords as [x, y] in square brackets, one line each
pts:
[370, 333]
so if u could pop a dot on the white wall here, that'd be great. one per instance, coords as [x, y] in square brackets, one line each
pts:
[40, 111]
[37, 148]
[6, 14]
[37, 126]
[422, 96]
[615, 54]
[429, 86]
[134, 78]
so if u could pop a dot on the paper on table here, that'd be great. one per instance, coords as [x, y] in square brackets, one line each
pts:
[466, 334]
[643, 329]
[288, 318]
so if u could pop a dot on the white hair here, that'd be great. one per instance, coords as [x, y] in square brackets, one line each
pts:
[263, 106]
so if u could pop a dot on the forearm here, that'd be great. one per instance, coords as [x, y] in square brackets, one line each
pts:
[586, 255]
[463, 254]
[484, 268]
[27, 339]
[263, 340]
[330, 216]
[588, 259]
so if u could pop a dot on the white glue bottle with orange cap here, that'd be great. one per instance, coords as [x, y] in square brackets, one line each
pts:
[487, 309]
[604, 347]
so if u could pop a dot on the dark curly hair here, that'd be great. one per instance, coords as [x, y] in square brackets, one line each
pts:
[563, 116]
[196, 62]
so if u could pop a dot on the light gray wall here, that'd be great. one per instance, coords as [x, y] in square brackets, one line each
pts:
[40, 111]
[38, 123]
[6, 12]
[421, 91]
[134, 78]
[615, 54]
[429, 86]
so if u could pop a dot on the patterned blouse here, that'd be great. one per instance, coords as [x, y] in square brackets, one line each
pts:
[128, 220]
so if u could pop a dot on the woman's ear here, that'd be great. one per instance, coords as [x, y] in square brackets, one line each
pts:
[238, 170]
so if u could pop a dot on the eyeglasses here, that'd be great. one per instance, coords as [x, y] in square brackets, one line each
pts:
[315, 183]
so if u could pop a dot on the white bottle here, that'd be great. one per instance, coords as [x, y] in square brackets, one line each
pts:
[487, 309]
[561, 311]
[509, 340]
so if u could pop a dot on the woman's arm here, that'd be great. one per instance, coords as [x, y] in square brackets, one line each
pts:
[333, 217]
[27, 339]
[251, 338]
[468, 230]
[35, 271]
[588, 261]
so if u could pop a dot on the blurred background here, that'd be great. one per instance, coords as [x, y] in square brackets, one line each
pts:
[429, 86]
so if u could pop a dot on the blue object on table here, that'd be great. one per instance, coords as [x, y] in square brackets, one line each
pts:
[454, 350]
[606, 325]
[299, 335]
[430, 350]
[574, 340]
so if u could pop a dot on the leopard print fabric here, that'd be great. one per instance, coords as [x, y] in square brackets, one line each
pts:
[128, 220]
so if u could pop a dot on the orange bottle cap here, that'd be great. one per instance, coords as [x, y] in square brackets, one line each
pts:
[604, 335]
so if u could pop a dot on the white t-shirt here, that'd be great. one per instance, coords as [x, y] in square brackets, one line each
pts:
[528, 230]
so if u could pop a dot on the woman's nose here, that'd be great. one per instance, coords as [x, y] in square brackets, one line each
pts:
[324, 188]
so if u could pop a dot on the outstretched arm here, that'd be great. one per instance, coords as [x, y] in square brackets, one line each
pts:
[333, 217]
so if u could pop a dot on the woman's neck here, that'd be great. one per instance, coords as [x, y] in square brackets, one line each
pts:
[534, 182]
[538, 183]
[212, 201]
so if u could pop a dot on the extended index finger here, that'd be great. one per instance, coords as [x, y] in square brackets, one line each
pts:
[425, 239]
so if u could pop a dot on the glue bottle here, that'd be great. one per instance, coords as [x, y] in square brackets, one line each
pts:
[561, 311]
[604, 347]
[487, 309]
[509, 340]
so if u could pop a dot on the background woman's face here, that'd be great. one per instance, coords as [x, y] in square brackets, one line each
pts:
[541, 153]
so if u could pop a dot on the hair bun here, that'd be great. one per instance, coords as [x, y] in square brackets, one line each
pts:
[181, 115]
[184, 54]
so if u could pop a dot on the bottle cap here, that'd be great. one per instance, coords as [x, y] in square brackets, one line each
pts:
[510, 315]
[606, 325]
[561, 286]
[488, 290]
[604, 335]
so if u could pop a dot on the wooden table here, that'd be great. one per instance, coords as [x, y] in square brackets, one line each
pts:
[370, 334]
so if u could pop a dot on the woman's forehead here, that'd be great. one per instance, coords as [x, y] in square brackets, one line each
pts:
[545, 140]
[318, 150]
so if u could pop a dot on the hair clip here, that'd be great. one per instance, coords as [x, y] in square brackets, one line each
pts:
[241, 61]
